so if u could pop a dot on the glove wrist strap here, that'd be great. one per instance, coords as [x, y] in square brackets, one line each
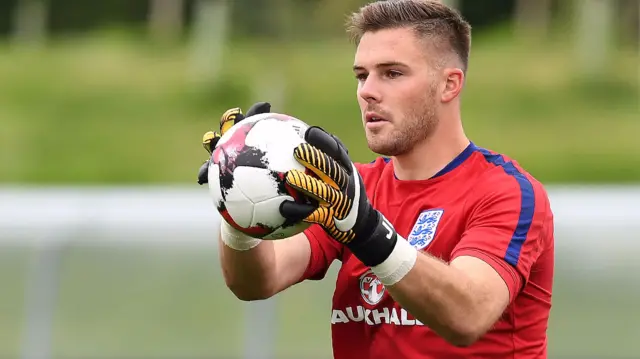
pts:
[398, 264]
[375, 245]
[235, 239]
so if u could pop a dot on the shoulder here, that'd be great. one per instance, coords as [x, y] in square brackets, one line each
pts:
[508, 202]
[501, 180]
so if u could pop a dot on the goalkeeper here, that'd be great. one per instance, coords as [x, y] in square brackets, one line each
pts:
[447, 249]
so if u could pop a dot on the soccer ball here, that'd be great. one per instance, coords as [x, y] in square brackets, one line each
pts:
[247, 174]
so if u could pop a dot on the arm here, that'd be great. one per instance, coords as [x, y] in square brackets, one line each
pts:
[257, 269]
[462, 300]
[266, 269]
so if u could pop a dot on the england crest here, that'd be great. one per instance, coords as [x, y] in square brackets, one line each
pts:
[425, 228]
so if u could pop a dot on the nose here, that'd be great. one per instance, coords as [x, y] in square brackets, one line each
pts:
[369, 91]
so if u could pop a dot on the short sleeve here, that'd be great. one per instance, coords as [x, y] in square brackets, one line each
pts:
[324, 250]
[506, 228]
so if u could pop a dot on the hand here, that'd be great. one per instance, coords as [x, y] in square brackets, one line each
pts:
[343, 209]
[228, 119]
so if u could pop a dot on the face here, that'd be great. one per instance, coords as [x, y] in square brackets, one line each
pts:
[397, 90]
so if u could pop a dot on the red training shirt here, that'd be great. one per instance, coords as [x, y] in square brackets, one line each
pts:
[483, 205]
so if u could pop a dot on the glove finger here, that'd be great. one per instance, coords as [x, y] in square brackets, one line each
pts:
[296, 212]
[342, 237]
[305, 212]
[324, 217]
[210, 140]
[325, 167]
[317, 215]
[203, 173]
[320, 191]
[230, 118]
[341, 144]
[330, 145]
[258, 108]
[308, 186]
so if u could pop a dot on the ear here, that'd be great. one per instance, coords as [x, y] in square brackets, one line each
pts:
[454, 81]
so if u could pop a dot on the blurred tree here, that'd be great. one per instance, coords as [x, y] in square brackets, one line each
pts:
[166, 19]
[208, 37]
[629, 13]
[593, 34]
[272, 84]
[68, 16]
[482, 14]
[532, 18]
[329, 16]
[452, 3]
[6, 16]
[310, 18]
[30, 22]
[258, 18]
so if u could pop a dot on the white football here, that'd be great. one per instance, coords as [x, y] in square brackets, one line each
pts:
[247, 171]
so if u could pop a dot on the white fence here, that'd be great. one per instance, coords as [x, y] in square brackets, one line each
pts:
[595, 227]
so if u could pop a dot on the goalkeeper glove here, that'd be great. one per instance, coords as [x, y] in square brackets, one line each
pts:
[228, 119]
[343, 209]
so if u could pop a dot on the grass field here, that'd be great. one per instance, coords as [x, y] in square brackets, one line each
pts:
[134, 302]
[108, 108]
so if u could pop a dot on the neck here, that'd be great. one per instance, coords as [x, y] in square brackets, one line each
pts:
[431, 155]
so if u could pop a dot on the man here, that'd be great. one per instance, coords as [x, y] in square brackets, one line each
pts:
[447, 249]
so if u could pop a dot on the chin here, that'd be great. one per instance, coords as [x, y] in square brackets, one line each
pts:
[383, 148]
[388, 145]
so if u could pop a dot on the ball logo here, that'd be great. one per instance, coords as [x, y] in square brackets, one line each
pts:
[371, 288]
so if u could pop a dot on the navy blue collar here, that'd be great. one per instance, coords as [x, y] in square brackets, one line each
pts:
[458, 160]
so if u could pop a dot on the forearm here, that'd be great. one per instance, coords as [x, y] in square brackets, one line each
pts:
[247, 264]
[256, 269]
[438, 296]
[248, 274]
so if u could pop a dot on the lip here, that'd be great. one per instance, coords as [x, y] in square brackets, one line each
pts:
[369, 116]
[375, 125]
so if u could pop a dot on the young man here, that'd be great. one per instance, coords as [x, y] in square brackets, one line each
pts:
[447, 249]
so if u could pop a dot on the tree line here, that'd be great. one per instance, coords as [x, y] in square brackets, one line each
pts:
[268, 17]
[596, 26]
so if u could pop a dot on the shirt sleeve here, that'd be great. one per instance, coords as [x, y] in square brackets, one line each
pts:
[324, 250]
[506, 229]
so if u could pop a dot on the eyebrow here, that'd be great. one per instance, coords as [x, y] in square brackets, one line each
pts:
[381, 65]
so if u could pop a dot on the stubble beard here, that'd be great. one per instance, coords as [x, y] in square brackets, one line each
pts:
[417, 126]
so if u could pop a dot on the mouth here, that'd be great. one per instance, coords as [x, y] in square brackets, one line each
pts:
[372, 117]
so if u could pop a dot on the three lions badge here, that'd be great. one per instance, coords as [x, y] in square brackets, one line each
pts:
[424, 230]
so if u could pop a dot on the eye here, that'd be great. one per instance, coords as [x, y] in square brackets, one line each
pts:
[361, 77]
[392, 74]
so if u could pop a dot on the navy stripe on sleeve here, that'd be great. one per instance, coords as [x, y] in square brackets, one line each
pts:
[385, 159]
[527, 206]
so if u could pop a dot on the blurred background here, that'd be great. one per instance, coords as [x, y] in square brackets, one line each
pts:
[108, 246]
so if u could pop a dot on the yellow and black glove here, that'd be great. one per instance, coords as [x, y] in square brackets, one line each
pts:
[228, 119]
[343, 209]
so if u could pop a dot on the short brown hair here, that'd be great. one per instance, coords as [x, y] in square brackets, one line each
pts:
[429, 19]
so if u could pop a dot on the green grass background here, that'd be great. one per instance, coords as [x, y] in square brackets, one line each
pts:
[110, 108]
[142, 302]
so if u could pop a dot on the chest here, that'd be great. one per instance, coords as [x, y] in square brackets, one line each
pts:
[431, 220]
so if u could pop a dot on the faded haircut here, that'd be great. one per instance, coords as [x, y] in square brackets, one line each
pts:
[446, 29]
